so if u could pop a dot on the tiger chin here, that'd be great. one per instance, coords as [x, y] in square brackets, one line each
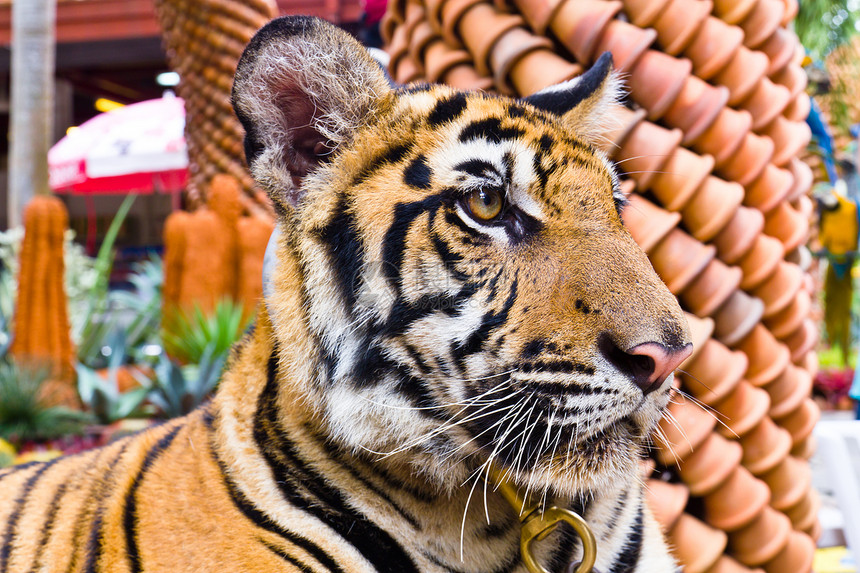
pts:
[451, 286]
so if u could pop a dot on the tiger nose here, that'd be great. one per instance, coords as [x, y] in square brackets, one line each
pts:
[648, 364]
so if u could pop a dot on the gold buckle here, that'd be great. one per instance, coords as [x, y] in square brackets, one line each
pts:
[537, 524]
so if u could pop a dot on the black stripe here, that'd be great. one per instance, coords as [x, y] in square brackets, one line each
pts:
[629, 556]
[393, 154]
[490, 129]
[48, 526]
[447, 109]
[394, 242]
[489, 322]
[256, 516]
[12, 523]
[129, 516]
[418, 173]
[304, 488]
[345, 251]
[286, 556]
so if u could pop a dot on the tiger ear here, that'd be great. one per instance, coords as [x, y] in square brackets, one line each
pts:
[584, 103]
[302, 88]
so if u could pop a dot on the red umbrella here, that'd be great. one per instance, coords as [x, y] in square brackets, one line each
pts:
[138, 148]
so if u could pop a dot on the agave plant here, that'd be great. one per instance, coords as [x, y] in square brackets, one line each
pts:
[25, 410]
[190, 334]
[102, 395]
[177, 390]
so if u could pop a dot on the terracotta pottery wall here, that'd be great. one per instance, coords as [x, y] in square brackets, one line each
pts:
[204, 40]
[719, 202]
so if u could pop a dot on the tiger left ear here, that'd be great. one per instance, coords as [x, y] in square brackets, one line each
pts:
[583, 102]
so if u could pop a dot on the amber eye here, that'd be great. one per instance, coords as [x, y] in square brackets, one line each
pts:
[485, 204]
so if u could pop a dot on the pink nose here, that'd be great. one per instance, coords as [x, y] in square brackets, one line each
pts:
[651, 363]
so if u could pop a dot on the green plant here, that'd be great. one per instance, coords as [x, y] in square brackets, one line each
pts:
[177, 390]
[141, 307]
[102, 394]
[98, 323]
[25, 413]
[823, 25]
[190, 334]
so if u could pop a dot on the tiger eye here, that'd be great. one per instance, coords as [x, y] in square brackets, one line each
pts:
[485, 204]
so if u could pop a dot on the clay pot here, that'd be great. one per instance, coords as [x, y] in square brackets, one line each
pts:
[788, 391]
[787, 225]
[793, 78]
[726, 564]
[739, 234]
[761, 261]
[762, 539]
[647, 222]
[422, 35]
[780, 288]
[407, 70]
[646, 150]
[710, 464]
[805, 449]
[799, 109]
[480, 27]
[712, 207]
[657, 81]
[538, 13]
[680, 178]
[790, 137]
[737, 500]
[643, 12]
[679, 23]
[714, 372]
[697, 545]
[803, 178]
[398, 47]
[667, 501]
[450, 14]
[801, 421]
[792, 7]
[733, 11]
[761, 22]
[742, 410]
[737, 317]
[725, 136]
[769, 189]
[626, 42]
[711, 288]
[765, 446]
[439, 58]
[465, 77]
[713, 47]
[788, 482]
[683, 429]
[797, 555]
[767, 101]
[679, 258]
[749, 161]
[802, 341]
[768, 357]
[579, 25]
[742, 74]
[804, 515]
[700, 331]
[696, 107]
[624, 122]
[510, 52]
[780, 49]
[787, 321]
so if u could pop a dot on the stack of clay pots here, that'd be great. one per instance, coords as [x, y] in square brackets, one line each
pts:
[718, 200]
[204, 40]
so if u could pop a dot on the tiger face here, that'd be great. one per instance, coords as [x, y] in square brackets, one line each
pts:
[464, 274]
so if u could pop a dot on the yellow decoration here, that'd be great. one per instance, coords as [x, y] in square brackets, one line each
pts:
[839, 227]
[7, 453]
[38, 456]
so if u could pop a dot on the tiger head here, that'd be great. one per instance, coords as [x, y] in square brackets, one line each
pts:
[455, 284]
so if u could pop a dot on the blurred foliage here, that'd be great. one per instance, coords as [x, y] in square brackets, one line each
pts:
[25, 410]
[177, 390]
[823, 25]
[190, 334]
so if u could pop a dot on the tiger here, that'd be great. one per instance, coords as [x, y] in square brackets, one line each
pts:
[451, 287]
